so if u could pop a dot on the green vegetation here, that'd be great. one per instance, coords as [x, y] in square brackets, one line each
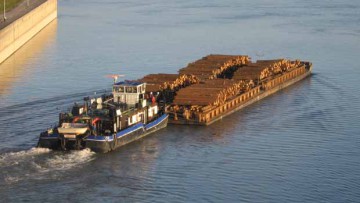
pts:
[10, 4]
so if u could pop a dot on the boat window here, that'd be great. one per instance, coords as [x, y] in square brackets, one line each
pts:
[121, 89]
[128, 90]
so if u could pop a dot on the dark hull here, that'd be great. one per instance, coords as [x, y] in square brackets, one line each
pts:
[103, 144]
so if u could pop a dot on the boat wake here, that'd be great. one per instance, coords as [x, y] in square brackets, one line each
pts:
[40, 164]
[15, 158]
[66, 161]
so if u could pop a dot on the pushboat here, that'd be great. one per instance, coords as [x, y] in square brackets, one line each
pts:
[108, 122]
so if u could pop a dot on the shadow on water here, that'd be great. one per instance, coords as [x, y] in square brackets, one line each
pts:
[14, 69]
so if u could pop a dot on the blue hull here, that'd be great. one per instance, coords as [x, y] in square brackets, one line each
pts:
[105, 144]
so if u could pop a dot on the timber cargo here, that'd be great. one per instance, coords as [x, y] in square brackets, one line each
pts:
[218, 85]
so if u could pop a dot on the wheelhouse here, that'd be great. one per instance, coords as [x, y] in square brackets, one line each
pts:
[131, 93]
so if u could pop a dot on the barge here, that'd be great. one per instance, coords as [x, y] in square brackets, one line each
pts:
[106, 123]
[200, 94]
[217, 85]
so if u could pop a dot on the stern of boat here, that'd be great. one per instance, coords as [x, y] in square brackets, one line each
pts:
[100, 144]
[50, 141]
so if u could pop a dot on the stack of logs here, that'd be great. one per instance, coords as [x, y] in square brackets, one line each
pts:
[162, 81]
[252, 71]
[211, 92]
[180, 82]
[263, 69]
[211, 66]
[206, 86]
[280, 65]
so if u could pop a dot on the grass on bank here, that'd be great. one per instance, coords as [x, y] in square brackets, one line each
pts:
[10, 4]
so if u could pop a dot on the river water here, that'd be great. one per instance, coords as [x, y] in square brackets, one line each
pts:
[301, 144]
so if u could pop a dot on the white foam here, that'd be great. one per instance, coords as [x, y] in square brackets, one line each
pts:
[69, 160]
[12, 179]
[14, 158]
[25, 165]
[30, 152]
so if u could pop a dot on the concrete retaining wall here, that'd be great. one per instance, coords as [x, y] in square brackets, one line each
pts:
[15, 35]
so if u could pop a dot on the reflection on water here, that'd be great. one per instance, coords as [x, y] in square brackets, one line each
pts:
[15, 68]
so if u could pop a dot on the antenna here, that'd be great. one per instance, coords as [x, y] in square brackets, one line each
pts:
[259, 54]
[115, 77]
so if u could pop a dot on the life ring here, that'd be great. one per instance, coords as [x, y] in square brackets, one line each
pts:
[76, 119]
[95, 120]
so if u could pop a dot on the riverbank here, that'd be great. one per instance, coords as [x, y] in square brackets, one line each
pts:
[9, 5]
[23, 22]
[16, 9]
